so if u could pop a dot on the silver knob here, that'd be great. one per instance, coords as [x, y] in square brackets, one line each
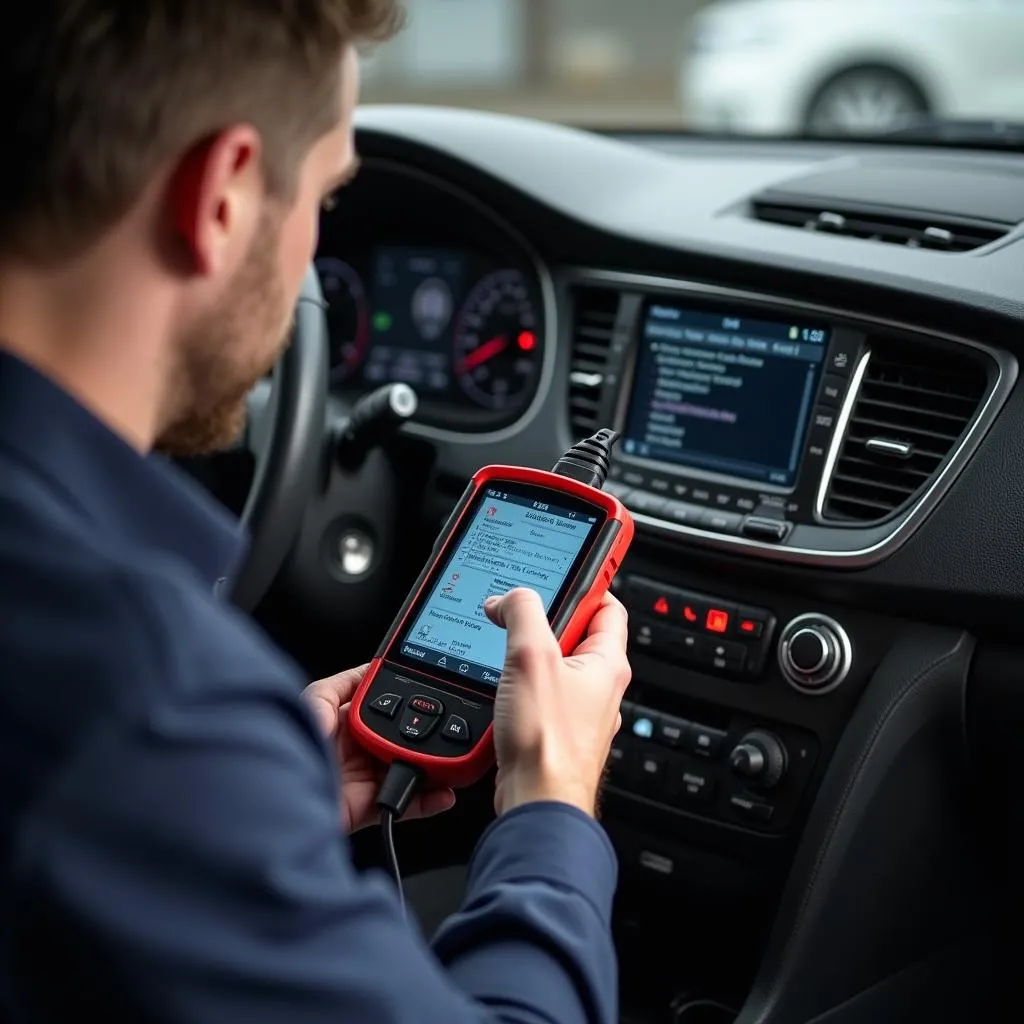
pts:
[815, 654]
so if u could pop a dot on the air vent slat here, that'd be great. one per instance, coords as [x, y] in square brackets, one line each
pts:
[594, 314]
[910, 230]
[915, 403]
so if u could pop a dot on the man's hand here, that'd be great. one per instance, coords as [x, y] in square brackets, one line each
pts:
[361, 774]
[555, 717]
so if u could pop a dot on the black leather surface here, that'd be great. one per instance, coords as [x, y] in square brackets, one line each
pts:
[286, 469]
[887, 876]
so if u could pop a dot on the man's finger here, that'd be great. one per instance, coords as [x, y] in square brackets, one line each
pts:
[520, 610]
[609, 628]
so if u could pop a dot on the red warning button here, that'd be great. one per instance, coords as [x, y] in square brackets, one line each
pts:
[717, 621]
[661, 606]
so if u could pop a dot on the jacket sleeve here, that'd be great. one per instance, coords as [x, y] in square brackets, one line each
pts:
[190, 867]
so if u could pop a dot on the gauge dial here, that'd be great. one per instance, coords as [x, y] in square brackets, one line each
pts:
[497, 342]
[348, 316]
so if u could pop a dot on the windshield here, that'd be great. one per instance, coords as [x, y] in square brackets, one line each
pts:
[750, 67]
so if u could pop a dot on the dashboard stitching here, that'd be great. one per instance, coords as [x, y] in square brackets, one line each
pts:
[885, 715]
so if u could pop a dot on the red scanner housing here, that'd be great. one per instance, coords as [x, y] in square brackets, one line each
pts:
[453, 714]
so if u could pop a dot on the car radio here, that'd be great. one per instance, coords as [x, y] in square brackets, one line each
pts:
[728, 420]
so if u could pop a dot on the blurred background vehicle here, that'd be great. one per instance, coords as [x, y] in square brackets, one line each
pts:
[851, 66]
[743, 66]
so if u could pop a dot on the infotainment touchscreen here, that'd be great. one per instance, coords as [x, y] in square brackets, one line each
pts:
[724, 393]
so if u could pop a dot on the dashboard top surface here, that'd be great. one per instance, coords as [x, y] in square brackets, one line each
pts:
[692, 197]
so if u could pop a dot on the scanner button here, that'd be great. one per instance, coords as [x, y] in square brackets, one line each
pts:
[426, 705]
[456, 729]
[386, 704]
[415, 725]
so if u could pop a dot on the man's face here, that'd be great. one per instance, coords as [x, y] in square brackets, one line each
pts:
[223, 353]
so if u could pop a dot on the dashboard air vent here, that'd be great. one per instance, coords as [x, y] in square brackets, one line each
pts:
[914, 231]
[593, 322]
[915, 403]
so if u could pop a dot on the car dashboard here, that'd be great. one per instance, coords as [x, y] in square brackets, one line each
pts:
[811, 354]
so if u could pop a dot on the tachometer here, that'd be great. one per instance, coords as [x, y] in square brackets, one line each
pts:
[497, 342]
[348, 316]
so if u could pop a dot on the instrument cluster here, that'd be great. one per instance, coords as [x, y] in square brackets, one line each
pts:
[426, 287]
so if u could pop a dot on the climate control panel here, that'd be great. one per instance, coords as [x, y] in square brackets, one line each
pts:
[738, 771]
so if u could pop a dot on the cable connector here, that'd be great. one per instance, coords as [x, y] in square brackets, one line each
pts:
[588, 460]
[398, 788]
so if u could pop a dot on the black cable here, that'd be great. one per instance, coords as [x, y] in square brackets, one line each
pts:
[396, 793]
[387, 825]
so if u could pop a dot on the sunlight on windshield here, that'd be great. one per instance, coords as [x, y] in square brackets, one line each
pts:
[742, 66]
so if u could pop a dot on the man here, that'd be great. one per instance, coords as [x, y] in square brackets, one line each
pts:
[170, 846]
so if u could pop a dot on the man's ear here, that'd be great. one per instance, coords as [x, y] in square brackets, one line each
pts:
[215, 197]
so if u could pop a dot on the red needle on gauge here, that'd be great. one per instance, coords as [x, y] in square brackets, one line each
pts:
[488, 350]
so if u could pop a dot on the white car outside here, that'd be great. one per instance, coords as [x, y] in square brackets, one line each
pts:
[851, 66]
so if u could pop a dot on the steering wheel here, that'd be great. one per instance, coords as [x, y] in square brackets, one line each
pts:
[284, 432]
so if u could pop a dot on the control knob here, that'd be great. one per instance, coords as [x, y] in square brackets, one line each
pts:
[760, 758]
[815, 654]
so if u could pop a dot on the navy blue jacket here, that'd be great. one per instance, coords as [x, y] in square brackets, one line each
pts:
[170, 846]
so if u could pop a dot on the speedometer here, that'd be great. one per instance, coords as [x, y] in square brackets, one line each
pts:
[497, 342]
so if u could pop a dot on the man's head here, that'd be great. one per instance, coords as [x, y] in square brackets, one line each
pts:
[180, 148]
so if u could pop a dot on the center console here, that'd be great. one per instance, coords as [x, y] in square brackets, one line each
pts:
[767, 431]
[783, 431]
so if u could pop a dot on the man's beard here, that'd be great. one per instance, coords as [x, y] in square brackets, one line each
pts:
[221, 358]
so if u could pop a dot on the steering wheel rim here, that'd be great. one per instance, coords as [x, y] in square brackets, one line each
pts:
[286, 437]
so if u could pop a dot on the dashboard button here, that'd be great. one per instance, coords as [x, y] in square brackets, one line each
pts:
[689, 647]
[721, 521]
[842, 354]
[772, 531]
[680, 512]
[701, 495]
[752, 810]
[653, 599]
[621, 760]
[705, 741]
[644, 501]
[824, 418]
[750, 622]
[832, 389]
[671, 732]
[631, 478]
[659, 485]
[689, 784]
[645, 722]
[726, 656]
[651, 770]
[650, 637]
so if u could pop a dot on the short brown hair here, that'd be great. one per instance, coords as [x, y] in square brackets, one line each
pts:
[95, 95]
